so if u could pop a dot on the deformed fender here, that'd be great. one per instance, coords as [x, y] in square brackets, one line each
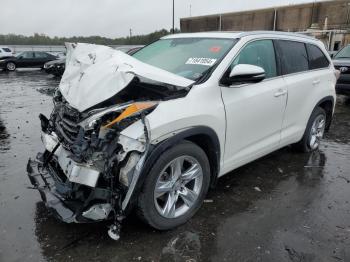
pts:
[156, 150]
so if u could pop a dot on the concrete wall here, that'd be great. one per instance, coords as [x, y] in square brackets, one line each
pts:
[288, 18]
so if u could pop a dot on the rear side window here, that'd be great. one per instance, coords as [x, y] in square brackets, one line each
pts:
[293, 56]
[7, 49]
[41, 55]
[317, 59]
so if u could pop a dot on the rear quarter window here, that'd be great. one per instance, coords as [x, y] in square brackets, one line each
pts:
[317, 58]
[41, 55]
[292, 56]
[7, 49]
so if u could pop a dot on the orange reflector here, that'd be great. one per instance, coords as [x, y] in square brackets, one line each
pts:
[130, 110]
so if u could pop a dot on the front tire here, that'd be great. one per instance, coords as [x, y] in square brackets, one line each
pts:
[314, 131]
[11, 66]
[175, 187]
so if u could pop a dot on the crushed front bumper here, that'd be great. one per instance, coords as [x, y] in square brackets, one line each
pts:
[89, 190]
[45, 184]
[69, 202]
[68, 189]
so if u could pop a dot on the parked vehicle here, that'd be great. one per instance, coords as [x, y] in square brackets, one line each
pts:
[5, 52]
[153, 131]
[30, 59]
[55, 67]
[341, 61]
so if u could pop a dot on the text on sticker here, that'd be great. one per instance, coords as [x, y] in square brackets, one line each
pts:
[201, 61]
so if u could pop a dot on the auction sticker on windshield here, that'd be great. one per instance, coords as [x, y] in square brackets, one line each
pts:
[201, 61]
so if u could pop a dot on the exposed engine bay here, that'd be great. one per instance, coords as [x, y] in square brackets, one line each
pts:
[89, 170]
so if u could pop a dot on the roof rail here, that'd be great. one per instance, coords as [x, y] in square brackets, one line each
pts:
[296, 34]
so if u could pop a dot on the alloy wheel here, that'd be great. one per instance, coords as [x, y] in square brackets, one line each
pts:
[178, 187]
[317, 131]
[11, 66]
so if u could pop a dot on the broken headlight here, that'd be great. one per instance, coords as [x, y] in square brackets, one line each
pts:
[133, 109]
[115, 116]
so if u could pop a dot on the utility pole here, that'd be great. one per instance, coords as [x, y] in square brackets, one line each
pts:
[173, 16]
[190, 10]
[130, 32]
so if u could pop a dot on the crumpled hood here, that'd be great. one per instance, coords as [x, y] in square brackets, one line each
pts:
[95, 73]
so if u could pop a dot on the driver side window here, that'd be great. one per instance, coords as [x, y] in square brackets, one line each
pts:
[259, 53]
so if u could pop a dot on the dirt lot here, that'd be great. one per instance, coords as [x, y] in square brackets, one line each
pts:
[283, 207]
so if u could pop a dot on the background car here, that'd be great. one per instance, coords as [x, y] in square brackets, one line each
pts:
[341, 61]
[31, 59]
[55, 67]
[5, 51]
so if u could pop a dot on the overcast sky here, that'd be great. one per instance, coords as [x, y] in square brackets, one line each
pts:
[111, 18]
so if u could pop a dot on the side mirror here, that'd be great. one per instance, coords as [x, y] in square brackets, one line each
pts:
[20, 57]
[244, 73]
[332, 55]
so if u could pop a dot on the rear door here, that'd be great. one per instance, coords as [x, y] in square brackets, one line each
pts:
[254, 112]
[41, 58]
[300, 68]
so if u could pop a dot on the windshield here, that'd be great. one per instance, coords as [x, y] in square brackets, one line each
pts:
[344, 53]
[186, 57]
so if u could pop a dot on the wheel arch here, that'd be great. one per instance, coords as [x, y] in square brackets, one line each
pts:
[203, 136]
[327, 104]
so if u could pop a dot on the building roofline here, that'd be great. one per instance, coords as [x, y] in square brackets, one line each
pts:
[259, 10]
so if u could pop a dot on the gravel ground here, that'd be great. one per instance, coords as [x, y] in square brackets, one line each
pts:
[283, 207]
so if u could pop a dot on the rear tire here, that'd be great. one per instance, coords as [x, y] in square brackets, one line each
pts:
[11, 66]
[313, 133]
[161, 189]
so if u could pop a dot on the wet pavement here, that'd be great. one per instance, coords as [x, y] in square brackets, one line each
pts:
[283, 207]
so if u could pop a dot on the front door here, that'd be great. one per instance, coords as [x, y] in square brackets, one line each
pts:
[254, 112]
[26, 59]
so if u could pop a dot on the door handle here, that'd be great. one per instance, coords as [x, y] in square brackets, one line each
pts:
[280, 92]
[316, 82]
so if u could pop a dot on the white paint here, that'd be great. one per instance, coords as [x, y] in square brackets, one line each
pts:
[259, 118]
[251, 120]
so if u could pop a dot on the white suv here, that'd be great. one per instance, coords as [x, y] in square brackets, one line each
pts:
[154, 130]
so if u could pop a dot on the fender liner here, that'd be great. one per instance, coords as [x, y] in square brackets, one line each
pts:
[158, 149]
[329, 115]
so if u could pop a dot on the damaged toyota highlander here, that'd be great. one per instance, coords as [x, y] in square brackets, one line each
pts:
[153, 131]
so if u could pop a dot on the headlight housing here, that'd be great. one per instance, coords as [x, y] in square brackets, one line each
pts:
[111, 116]
[132, 110]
